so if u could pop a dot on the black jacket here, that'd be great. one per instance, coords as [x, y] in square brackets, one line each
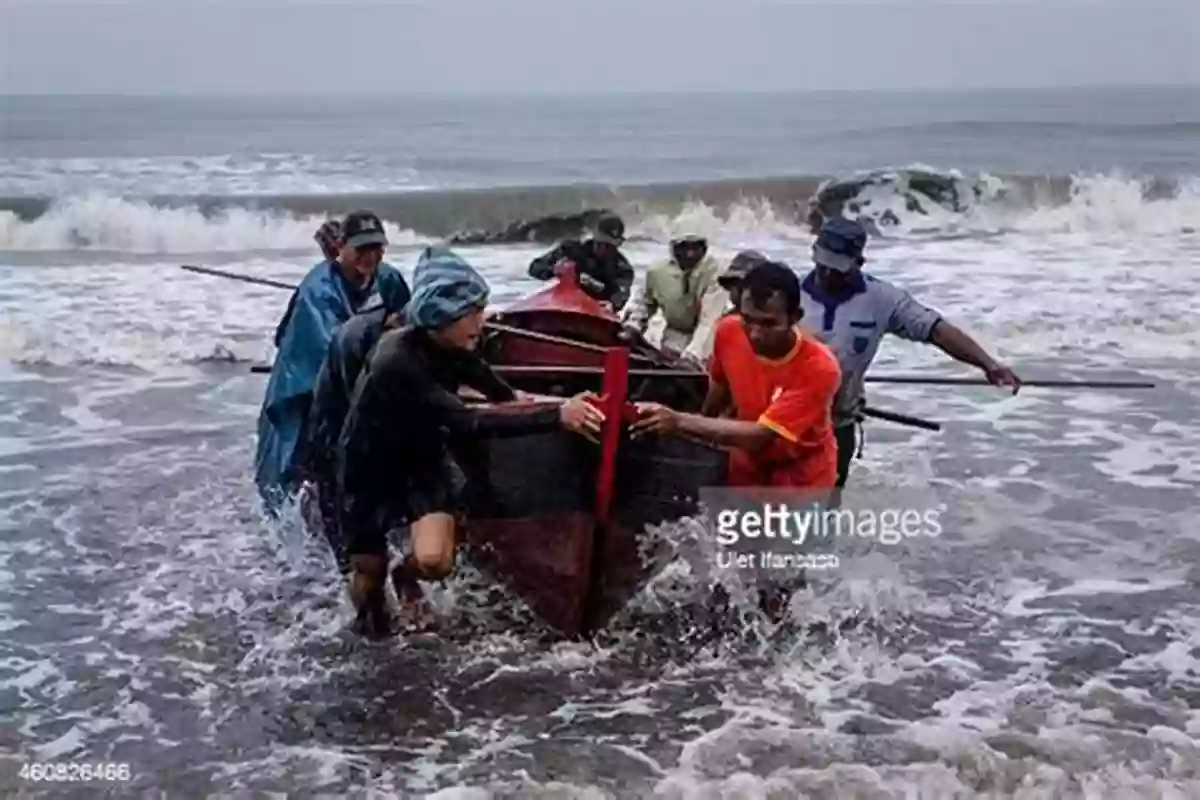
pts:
[615, 272]
[406, 414]
[348, 351]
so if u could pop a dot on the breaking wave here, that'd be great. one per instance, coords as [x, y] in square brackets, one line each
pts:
[110, 293]
[914, 198]
[114, 224]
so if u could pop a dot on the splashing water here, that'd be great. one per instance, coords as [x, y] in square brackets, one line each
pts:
[1044, 645]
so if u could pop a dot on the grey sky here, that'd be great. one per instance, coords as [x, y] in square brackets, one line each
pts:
[189, 46]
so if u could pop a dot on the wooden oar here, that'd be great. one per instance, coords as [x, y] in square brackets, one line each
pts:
[930, 381]
[233, 276]
[549, 338]
[901, 419]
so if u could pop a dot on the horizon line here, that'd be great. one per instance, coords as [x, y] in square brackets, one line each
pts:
[609, 93]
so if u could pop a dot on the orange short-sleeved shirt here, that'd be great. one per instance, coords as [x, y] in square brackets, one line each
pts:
[793, 396]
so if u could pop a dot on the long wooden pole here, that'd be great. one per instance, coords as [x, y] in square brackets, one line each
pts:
[901, 419]
[899, 379]
[1051, 384]
[493, 326]
[233, 276]
[922, 380]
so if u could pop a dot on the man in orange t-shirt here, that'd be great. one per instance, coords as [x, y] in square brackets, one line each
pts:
[780, 384]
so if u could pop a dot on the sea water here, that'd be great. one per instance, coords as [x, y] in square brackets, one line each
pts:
[1045, 644]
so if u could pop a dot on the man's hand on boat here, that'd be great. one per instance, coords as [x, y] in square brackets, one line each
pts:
[579, 414]
[686, 360]
[595, 288]
[631, 335]
[654, 418]
[589, 284]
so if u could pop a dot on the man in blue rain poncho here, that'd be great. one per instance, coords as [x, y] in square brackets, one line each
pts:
[398, 456]
[330, 294]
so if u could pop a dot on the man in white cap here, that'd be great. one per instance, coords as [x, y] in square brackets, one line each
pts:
[684, 288]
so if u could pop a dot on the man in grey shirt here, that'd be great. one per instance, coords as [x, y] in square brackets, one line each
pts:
[851, 312]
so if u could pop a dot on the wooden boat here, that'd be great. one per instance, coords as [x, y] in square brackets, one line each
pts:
[558, 519]
[552, 516]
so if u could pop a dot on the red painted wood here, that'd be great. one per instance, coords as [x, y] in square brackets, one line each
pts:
[616, 388]
[563, 295]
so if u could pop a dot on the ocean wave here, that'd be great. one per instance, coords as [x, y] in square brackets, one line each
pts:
[104, 223]
[894, 201]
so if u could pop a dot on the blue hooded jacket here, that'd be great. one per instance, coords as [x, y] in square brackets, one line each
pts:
[323, 301]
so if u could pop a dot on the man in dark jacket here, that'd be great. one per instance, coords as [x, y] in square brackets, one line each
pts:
[603, 270]
[398, 453]
[348, 351]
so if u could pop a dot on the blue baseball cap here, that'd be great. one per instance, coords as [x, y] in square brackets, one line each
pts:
[840, 245]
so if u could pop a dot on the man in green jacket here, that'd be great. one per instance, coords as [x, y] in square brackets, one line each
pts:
[680, 287]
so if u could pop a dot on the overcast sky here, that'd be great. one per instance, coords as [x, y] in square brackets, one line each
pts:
[301, 46]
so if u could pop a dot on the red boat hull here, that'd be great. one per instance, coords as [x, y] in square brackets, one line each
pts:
[533, 523]
[556, 518]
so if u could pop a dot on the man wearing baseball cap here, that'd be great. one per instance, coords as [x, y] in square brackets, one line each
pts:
[731, 279]
[330, 294]
[851, 312]
[603, 270]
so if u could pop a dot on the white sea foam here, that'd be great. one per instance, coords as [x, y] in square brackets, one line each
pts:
[218, 630]
[98, 222]
[1104, 279]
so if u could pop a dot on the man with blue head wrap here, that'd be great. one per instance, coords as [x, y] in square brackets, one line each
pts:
[396, 461]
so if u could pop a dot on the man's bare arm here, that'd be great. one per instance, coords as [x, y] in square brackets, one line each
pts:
[718, 400]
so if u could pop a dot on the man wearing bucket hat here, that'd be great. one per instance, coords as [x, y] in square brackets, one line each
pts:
[851, 312]
[332, 292]
[603, 270]
[398, 457]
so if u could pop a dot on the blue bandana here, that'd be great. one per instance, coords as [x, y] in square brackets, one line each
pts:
[445, 288]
